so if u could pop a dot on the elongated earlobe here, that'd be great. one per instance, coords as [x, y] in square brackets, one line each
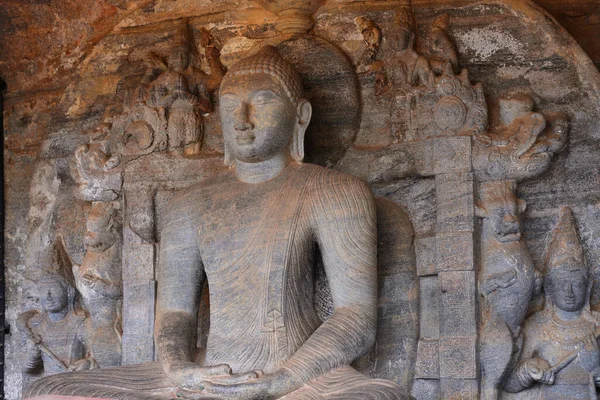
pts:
[304, 111]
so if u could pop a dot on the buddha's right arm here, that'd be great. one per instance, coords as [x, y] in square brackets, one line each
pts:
[180, 277]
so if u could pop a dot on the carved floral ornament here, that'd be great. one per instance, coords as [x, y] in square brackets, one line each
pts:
[384, 308]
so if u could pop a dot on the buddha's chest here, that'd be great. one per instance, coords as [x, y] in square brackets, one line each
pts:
[250, 227]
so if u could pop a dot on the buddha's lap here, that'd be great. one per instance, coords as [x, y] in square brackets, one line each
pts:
[148, 381]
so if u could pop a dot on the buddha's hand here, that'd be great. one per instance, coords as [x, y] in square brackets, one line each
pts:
[589, 355]
[538, 370]
[247, 386]
[188, 375]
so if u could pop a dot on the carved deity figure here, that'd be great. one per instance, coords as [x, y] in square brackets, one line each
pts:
[560, 358]
[368, 62]
[252, 233]
[182, 92]
[57, 338]
[506, 280]
[412, 68]
[440, 46]
[98, 279]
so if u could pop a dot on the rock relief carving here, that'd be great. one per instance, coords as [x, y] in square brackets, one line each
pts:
[523, 143]
[507, 280]
[428, 98]
[98, 279]
[180, 94]
[559, 357]
[265, 339]
[57, 337]
[368, 62]
[520, 147]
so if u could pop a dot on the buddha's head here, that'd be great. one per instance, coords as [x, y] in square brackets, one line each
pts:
[262, 109]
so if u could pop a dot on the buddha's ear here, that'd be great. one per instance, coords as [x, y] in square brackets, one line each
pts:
[304, 111]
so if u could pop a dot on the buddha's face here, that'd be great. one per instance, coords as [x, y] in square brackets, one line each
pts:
[257, 117]
[567, 288]
[53, 295]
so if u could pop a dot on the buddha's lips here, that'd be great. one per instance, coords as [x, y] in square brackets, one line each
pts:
[245, 138]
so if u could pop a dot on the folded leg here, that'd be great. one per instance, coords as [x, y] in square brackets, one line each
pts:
[347, 383]
[135, 382]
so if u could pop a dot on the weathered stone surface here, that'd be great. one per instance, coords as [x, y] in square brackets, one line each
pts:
[430, 297]
[138, 322]
[428, 365]
[458, 358]
[454, 252]
[426, 252]
[457, 307]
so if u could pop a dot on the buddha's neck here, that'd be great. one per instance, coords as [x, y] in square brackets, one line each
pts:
[567, 316]
[261, 171]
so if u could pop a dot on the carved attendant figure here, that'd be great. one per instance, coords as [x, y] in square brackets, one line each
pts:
[560, 357]
[182, 92]
[368, 63]
[412, 69]
[252, 234]
[57, 337]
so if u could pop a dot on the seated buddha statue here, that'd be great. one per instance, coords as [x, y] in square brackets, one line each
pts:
[253, 233]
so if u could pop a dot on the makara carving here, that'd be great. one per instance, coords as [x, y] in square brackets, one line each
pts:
[428, 98]
[252, 234]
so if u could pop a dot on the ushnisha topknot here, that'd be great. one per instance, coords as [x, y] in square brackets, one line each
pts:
[268, 61]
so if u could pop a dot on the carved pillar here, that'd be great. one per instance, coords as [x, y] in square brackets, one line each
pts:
[446, 359]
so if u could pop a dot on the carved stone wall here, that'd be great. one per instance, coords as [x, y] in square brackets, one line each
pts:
[430, 148]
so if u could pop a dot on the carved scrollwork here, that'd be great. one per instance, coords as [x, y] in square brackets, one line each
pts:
[522, 146]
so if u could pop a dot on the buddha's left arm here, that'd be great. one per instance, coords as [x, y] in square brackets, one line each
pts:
[344, 221]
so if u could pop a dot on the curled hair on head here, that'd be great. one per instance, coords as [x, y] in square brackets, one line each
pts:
[268, 61]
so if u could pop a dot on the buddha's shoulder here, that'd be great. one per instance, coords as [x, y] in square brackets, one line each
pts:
[325, 179]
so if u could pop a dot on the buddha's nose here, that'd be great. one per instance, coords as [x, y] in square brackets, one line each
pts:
[242, 122]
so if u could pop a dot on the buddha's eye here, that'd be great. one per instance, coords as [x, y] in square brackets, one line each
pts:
[261, 101]
[229, 106]
[263, 98]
